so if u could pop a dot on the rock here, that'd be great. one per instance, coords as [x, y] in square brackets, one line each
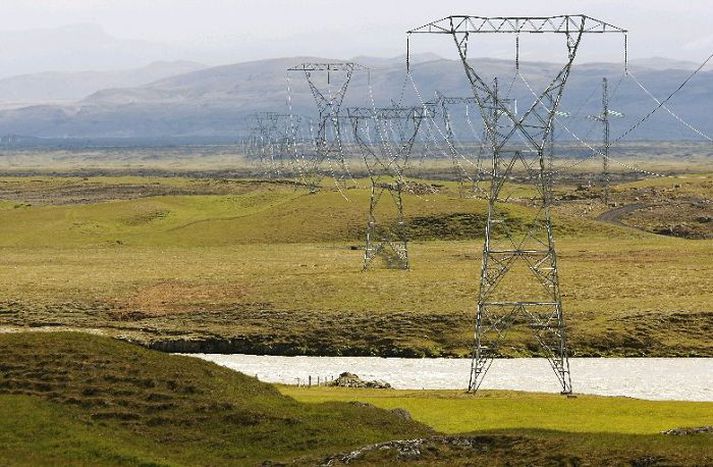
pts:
[689, 431]
[401, 413]
[350, 380]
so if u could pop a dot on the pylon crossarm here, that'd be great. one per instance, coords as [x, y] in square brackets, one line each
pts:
[331, 103]
[560, 24]
[519, 123]
[328, 67]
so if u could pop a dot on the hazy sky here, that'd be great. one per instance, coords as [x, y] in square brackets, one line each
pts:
[215, 31]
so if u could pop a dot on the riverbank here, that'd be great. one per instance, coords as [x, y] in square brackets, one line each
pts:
[79, 399]
[685, 379]
[199, 265]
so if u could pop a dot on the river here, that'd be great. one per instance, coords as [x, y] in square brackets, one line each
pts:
[644, 378]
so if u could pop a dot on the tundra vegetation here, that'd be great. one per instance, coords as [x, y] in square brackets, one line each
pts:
[199, 255]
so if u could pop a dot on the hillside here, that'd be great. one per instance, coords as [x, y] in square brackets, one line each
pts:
[225, 265]
[217, 102]
[53, 86]
[88, 400]
[79, 399]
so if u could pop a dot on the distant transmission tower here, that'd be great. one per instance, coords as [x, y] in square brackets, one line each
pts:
[328, 149]
[519, 283]
[271, 133]
[466, 183]
[603, 118]
[386, 137]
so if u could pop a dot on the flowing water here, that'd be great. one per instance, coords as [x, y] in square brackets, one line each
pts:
[645, 378]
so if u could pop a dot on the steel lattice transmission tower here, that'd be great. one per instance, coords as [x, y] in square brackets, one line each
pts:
[466, 183]
[328, 149]
[603, 118]
[271, 140]
[386, 137]
[519, 283]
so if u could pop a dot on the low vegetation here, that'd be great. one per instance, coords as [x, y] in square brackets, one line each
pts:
[70, 398]
[196, 264]
[510, 428]
[78, 399]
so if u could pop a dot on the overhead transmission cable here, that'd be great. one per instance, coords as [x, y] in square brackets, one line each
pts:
[595, 152]
[422, 102]
[663, 102]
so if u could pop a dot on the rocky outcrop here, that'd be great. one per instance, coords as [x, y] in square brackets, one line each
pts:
[689, 431]
[350, 380]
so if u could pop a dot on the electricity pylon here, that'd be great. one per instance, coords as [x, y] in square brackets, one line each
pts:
[519, 282]
[466, 183]
[271, 137]
[603, 118]
[386, 137]
[328, 150]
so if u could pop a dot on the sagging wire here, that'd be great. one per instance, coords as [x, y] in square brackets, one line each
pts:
[667, 109]
[663, 102]
[595, 152]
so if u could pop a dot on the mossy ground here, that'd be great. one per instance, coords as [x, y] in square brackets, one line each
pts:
[257, 266]
[77, 399]
[81, 399]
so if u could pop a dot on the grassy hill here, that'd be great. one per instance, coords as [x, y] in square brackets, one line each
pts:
[69, 398]
[78, 399]
[191, 264]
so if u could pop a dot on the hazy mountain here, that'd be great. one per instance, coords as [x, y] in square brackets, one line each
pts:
[217, 101]
[53, 86]
[76, 47]
[662, 63]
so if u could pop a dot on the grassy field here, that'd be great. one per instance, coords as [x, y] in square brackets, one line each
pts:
[459, 412]
[539, 428]
[204, 264]
[88, 400]
[220, 264]
[77, 399]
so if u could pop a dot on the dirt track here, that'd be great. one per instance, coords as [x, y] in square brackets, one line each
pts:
[613, 216]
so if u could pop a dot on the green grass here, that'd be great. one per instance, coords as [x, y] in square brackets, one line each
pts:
[70, 397]
[513, 428]
[458, 412]
[37, 432]
[76, 399]
[224, 268]
[252, 213]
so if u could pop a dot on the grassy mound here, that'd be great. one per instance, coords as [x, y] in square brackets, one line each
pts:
[81, 399]
[165, 213]
[534, 448]
[227, 265]
[512, 428]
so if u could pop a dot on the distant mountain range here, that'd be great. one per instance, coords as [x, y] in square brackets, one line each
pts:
[83, 46]
[57, 86]
[184, 100]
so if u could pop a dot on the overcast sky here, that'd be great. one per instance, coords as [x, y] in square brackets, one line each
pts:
[225, 31]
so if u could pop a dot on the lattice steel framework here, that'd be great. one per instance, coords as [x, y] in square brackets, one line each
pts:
[466, 183]
[519, 282]
[328, 151]
[603, 118]
[386, 137]
[271, 141]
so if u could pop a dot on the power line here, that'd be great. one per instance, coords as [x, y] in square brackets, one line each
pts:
[663, 102]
